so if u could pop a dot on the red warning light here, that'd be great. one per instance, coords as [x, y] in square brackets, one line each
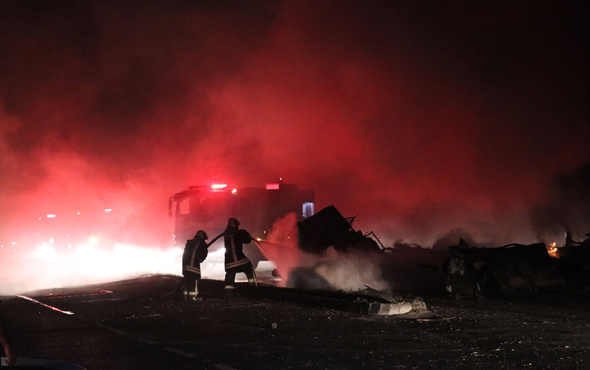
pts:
[274, 186]
[218, 186]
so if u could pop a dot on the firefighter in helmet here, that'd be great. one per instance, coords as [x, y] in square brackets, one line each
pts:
[195, 252]
[235, 259]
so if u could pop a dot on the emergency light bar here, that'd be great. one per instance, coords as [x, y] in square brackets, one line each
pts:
[218, 186]
[274, 186]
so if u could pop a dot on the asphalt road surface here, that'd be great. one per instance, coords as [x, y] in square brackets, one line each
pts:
[138, 324]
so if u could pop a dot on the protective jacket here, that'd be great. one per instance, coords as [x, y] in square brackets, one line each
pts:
[195, 252]
[234, 240]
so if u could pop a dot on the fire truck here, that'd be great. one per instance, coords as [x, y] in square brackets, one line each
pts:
[209, 207]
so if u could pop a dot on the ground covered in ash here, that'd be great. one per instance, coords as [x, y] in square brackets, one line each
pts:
[140, 324]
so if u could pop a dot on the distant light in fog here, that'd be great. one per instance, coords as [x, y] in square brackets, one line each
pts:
[50, 216]
[93, 240]
[85, 263]
[45, 252]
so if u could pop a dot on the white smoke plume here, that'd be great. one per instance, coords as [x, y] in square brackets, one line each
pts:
[334, 270]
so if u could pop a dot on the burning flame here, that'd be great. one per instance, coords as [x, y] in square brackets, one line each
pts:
[553, 250]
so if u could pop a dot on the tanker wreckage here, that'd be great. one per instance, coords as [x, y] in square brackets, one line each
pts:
[516, 268]
[328, 228]
[468, 271]
[316, 234]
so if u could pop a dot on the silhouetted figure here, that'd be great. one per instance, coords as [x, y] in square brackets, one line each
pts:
[5, 342]
[195, 252]
[235, 259]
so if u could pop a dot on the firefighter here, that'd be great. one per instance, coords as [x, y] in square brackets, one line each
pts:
[235, 259]
[195, 252]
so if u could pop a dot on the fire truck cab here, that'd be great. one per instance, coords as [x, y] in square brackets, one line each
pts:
[209, 207]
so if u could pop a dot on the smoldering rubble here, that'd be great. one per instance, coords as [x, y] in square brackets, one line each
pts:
[332, 255]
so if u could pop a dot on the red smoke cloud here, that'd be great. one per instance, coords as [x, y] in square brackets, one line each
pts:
[416, 118]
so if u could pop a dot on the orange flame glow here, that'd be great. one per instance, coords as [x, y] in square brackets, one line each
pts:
[553, 250]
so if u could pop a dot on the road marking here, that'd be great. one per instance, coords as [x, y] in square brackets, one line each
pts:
[45, 305]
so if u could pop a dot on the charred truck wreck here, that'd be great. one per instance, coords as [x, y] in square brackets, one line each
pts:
[328, 228]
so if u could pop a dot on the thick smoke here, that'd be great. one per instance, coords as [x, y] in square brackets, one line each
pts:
[418, 118]
[348, 272]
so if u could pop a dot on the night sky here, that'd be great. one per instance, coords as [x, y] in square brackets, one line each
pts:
[420, 118]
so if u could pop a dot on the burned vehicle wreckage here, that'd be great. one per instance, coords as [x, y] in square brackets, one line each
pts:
[325, 230]
[467, 271]
[516, 268]
[327, 233]
[328, 228]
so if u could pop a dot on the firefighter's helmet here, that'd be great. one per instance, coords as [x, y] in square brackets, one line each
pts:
[201, 235]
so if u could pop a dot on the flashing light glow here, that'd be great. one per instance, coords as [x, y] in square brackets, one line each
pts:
[218, 186]
[274, 186]
[234, 191]
[50, 216]
[108, 210]
[45, 252]
[93, 240]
